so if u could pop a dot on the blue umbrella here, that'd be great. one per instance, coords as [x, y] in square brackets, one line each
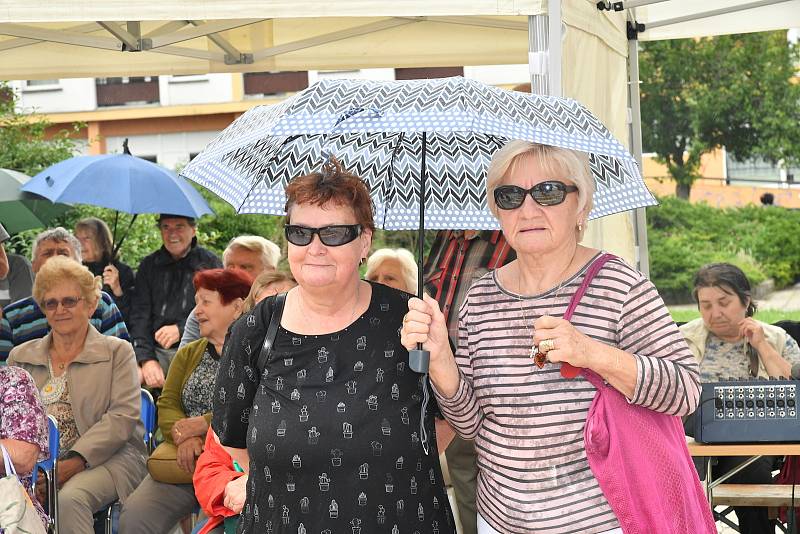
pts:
[120, 182]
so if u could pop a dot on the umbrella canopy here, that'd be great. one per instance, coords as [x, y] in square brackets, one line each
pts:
[383, 131]
[24, 211]
[121, 182]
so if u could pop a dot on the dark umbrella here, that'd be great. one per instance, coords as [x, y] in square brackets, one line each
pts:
[24, 211]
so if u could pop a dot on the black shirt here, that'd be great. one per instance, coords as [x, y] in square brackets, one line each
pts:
[333, 436]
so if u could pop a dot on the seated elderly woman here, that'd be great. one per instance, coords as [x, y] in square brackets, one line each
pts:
[729, 343]
[333, 434]
[97, 253]
[527, 419]
[184, 407]
[394, 268]
[89, 383]
[267, 284]
[23, 425]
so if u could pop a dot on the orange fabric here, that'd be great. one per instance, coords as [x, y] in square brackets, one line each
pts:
[213, 472]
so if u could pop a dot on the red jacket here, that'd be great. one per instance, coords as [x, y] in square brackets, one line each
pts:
[212, 473]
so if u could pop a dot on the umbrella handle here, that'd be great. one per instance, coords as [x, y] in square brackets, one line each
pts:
[419, 360]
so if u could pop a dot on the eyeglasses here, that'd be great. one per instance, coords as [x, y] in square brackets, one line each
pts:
[331, 236]
[550, 193]
[66, 303]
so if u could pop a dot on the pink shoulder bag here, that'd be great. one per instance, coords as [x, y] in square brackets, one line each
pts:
[639, 456]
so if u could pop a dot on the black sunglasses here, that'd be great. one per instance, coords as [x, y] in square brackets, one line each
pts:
[331, 236]
[550, 193]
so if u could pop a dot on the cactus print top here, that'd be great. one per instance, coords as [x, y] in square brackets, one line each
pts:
[332, 428]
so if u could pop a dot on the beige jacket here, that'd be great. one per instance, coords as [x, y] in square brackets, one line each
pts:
[104, 388]
[696, 335]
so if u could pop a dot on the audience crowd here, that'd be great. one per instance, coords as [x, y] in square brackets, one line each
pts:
[284, 398]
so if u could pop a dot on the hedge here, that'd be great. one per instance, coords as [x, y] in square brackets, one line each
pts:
[682, 237]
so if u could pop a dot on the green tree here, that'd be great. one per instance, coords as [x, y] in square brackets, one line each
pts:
[736, 91]
[24, 143]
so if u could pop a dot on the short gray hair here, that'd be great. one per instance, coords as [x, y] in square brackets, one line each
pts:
[560, 162]
[405, 258]
[270, 252]
[59, 235]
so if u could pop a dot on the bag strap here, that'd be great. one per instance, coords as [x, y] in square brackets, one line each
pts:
[9, 465]
[272, 331]
[567, 370]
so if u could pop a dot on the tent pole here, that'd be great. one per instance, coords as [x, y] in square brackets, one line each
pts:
[537, 53]
[544, 53]
[713, 13]
[635, 127]
[554, 51]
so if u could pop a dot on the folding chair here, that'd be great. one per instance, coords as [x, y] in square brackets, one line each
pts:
[49, 468]
[148, 417]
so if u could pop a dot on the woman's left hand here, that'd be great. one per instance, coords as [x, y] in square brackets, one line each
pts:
[189, 427]
[567, 343]
[753, 331]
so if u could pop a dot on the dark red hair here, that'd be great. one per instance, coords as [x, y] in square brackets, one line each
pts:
[332, 184]
[231, 284]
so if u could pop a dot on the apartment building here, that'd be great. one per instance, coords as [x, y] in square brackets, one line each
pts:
[169, 119]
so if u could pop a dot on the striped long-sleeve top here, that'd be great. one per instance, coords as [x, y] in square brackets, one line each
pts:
[528, 422]
[24, 320]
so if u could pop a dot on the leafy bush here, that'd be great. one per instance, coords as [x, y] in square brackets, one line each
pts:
[762, 241]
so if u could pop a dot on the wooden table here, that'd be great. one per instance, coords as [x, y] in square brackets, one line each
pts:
[753, 451]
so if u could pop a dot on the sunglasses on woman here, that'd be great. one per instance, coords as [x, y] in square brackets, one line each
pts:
[550, 193]
[331, 236]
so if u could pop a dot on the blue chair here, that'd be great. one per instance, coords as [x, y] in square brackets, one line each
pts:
[49, 468]
[148, 417]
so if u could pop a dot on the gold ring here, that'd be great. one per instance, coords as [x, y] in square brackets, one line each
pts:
[547, 345]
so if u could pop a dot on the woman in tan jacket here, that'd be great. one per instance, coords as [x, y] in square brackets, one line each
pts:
[89, 383]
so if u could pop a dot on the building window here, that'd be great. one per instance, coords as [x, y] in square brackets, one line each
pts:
[273, 83]
[127, 91]
[751, 170]
[427, 72]
[40, 83]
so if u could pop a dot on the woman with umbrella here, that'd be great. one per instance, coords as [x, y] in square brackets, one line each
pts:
[503, 388]
[97, 252]
[332, 436]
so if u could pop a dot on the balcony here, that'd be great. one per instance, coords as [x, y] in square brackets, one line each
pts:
[272, 83]
[423, 73]
[127, 91]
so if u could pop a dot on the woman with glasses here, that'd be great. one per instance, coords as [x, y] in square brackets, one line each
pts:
[90, 383]
[333, 437]
[503, 387]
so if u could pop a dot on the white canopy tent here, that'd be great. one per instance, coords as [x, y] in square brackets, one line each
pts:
[93, 38]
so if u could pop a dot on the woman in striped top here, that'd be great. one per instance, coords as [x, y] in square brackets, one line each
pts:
[528, 422]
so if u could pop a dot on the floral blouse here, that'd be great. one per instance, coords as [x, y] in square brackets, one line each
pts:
[22, 416]
[724, 360]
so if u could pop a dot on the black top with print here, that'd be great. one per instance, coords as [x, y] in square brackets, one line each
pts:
[334, 434]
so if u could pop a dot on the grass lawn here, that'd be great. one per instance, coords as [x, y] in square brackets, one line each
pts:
[766, 316]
